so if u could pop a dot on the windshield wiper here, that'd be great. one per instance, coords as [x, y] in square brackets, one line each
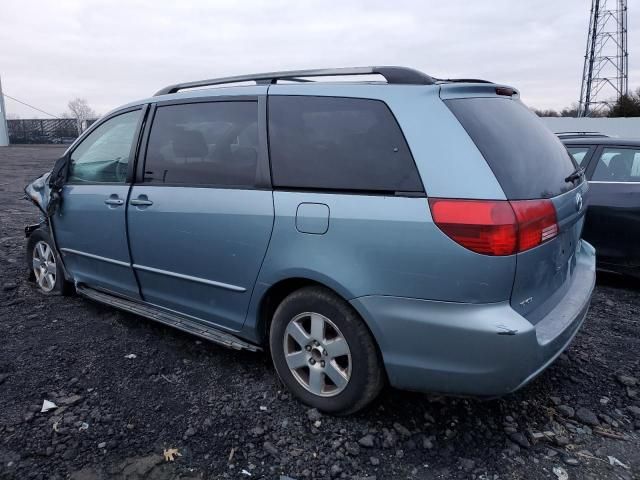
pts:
[577, 174]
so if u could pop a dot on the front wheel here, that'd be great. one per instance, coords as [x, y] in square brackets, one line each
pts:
[324, 353]
[44, 266]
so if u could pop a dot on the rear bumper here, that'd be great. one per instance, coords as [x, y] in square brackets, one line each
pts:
[474, 349]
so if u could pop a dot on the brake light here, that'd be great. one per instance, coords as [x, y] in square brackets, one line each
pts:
[496, 227]
[537, 222]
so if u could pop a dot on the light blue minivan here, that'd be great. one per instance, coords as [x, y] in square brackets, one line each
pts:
[415, 231]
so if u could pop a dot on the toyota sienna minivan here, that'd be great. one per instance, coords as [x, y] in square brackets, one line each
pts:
[410, 230]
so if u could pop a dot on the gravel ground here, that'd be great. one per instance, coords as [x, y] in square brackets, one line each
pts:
[228, 417]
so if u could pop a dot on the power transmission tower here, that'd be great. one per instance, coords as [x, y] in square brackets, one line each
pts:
[606, 61]
[4, 133]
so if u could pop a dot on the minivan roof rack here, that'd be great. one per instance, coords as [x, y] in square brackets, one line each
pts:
[462, 80]
[393, 75]
[580, 134]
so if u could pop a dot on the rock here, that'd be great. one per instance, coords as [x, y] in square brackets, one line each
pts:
[635, 411]
[72, 400]
[3, 377]
[374, 461]
[352, 448]
[69, 454]
[9, 286]
[313, 414]
[257, 431]
[102, 445]
[562, 441]
[566, 411]
[335, 470]
[427, 444]
[587, 417]
[401, 429]
[520, 439]
[608, 420]
[189, 433]
[467, 464]
[609, 303]
[627, 380]
[571, 461]
[388, 438]
[555, 400]
[270, 448]
[366, 441]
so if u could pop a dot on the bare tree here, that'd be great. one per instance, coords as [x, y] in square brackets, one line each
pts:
[81, 111]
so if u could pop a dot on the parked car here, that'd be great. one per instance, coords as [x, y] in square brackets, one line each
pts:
[612, 166]
[418, 231]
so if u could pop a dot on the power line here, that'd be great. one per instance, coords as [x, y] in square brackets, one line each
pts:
[30, 106]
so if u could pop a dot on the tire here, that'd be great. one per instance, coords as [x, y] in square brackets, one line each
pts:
[309, 372]
[44, 265]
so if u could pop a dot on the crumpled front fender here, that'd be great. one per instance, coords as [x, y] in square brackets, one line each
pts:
[39, 192]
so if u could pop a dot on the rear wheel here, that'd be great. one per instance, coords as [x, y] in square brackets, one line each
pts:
[44, 265]
[324, 353]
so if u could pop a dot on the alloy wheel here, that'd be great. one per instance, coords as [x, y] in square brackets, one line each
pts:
[44, 266]
[317, 354]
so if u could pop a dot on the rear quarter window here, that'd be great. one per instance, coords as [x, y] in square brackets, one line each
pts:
[334, 143]
[527, 159]
[579, 154]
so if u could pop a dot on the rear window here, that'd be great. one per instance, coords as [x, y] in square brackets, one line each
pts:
[527, 159]
[334, 143]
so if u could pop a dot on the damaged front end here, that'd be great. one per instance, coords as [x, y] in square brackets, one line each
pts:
[39, 192]
[45, 191]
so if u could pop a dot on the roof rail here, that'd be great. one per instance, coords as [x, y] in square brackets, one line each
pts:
[393, 75]
[580, 134]
[462, 80]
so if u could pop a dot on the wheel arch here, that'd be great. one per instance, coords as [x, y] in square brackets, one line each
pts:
[274, 294]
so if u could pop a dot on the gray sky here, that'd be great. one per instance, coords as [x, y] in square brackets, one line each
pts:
[112, 52]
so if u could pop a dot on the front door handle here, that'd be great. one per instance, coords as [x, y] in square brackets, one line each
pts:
[141, 201]
[114, 201]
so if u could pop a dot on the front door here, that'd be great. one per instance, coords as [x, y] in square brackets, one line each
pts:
[90, 225]
[613, 217]
[201, 218]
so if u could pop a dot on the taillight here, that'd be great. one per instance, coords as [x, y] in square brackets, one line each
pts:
[537, 222]
[496, 227]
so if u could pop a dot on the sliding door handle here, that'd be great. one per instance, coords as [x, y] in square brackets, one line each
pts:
[140, 202]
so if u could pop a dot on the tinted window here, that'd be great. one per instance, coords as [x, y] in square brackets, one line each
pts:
[618, 165]
[338, 144]
[579, 154]
[527, 159]
[204, 144]
[103, 156]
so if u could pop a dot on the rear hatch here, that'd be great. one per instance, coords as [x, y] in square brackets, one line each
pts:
[532, 167]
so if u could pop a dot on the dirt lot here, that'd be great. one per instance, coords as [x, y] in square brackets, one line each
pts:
[228, 417]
